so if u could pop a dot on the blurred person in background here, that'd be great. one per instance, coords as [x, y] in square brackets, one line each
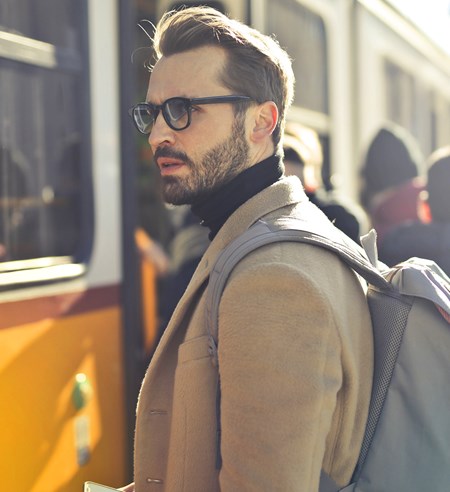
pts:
[391, 182]
[185, 251]
[428, 237]
[303, 158]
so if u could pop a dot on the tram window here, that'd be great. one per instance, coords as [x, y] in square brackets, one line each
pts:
[215, 5]
[427, 119]
[400, 99]
[52, 21]
[302, 33]
[423, 121]
[412, 104]
[434, 129]
[440, 120]
[44, 146]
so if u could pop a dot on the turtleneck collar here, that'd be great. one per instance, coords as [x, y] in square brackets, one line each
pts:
[215, 209]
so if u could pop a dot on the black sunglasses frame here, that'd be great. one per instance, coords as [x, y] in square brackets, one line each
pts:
[189, 103]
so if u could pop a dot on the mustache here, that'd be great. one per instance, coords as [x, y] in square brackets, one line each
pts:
[166, 152]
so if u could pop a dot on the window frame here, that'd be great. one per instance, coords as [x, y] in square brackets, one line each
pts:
[39, 54]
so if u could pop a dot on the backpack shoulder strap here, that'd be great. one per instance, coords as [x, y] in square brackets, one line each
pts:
[287, 229]
[264, 233]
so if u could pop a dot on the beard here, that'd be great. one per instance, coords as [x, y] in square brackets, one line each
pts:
[218, 166]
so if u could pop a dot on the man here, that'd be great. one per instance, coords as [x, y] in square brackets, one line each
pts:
[429, 237]
[295, 350]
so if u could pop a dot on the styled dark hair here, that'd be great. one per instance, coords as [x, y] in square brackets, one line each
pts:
[256, 64]
[438, 184]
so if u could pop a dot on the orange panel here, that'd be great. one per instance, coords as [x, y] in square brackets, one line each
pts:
[47, 443]
[149, 297]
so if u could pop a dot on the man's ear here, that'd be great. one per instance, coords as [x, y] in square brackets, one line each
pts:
[265, 121]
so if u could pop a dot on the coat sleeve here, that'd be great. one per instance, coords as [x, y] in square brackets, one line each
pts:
[280, 372]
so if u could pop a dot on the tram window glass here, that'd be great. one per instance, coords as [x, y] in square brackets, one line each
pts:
[427, 119]
[215, 5]
[434, 129]
[44, 144]
[408, 103]
[400, 99]
[422, 115]
[303, 34]
[440, 120]
[51, 21]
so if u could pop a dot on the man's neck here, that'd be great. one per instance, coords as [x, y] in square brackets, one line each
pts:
[217, 207]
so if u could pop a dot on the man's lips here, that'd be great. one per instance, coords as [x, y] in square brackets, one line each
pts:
[169, 165]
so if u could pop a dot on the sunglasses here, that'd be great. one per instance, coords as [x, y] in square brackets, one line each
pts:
[176, 111]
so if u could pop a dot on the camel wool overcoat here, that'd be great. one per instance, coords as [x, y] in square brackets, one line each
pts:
[295, 361]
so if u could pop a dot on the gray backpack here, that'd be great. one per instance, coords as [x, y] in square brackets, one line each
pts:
[406, 447]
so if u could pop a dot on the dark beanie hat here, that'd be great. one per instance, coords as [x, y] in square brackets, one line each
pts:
[438, 185]
[393, 157]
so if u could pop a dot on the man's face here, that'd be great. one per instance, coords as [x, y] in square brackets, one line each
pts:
[199, 159]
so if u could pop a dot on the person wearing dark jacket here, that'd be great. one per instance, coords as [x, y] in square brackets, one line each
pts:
[303, 158]
[391, 179]
[428, 238]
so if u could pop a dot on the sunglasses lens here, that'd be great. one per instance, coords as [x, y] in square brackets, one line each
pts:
[176, 111]
[144, 117]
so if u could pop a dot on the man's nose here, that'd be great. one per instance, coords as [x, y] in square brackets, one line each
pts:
[161, 133]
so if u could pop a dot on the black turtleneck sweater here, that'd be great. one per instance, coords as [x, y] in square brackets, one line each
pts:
[215, 209]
